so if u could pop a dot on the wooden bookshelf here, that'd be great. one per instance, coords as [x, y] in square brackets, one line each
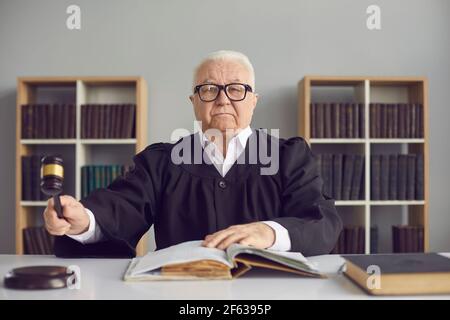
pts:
[366, 90]
[77, 152]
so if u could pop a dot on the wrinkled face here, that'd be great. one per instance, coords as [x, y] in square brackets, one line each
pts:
[222, 113]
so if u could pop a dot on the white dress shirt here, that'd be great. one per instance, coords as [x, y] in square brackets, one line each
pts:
[235, 147]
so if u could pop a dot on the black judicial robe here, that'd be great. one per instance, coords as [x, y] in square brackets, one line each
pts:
[188, 201]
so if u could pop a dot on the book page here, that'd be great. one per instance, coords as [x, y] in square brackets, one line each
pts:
[291, 259]
[180, 253]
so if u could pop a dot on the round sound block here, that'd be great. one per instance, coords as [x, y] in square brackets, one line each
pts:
[37, 277]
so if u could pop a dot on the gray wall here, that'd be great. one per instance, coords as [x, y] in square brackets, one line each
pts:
[162, 40]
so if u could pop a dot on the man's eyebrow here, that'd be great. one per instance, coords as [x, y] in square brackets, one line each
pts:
[209, 81]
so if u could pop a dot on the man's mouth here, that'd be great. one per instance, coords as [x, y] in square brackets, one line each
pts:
[222, 114]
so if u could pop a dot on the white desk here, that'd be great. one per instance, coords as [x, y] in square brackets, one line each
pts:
[102, 279]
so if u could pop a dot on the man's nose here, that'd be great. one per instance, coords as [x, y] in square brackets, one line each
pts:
[222, 98]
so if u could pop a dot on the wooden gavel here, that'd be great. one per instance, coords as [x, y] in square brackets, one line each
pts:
[52, 177]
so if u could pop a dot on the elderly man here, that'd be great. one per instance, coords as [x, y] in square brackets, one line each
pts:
[222, 198]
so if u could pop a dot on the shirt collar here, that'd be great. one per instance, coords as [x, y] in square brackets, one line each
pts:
[242, 137]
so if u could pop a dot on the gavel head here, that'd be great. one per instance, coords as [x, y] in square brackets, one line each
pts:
[52, 175]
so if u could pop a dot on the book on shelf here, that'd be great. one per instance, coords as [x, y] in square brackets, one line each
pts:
[342, 175]
[108, 121]
[406, 238]
[99, 176]
[191, 261]
[337, 120]
[37, 241]
[397, 177]
[401, 274]
[352, 240]
[396, 120]
[48, 121]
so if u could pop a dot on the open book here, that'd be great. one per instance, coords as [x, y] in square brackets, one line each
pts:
[191, 261]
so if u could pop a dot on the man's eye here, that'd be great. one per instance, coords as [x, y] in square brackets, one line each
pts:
[208, 88]
[235, 89]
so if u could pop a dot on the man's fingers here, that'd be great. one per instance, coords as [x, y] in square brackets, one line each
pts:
[217, 237]
[247, 241]
[53, 221]
[58, 231]
[233, 238]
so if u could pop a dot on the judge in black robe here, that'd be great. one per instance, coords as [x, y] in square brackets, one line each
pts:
[188, 201]
[191, 201]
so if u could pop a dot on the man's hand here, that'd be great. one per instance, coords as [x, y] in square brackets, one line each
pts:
[76, 220]
[256, 234]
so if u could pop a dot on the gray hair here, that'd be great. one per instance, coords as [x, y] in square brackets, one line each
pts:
[229, 56]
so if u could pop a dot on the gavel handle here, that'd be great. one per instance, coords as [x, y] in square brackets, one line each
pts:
[58, 206]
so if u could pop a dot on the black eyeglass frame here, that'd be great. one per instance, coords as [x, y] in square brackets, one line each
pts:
[247, 87]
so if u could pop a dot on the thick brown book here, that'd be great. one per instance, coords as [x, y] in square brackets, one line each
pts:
[390, 120]
[356, 116]
[320, 120]
[393, 169]
[384, 177]
[395, 239]
[419, 177]
[342, 120]
[411, 178]
[402, 176]
[335, 112]
[413, 120]
[312, 119]
[328, 121]
[357, 179]
[349, 119]
[337, 176]
[395, 120]
[89, 121]
[96, 121]
[349, 165]
[400, 274]
[408, 118]
[420, 120]
[401, 120]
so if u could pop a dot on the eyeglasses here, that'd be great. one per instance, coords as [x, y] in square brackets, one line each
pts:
[234, 91]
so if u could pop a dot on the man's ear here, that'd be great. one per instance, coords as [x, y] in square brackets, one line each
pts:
[255, 101]
[191, 97]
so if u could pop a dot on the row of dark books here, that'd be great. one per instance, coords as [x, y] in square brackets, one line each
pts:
[337, 120]
[396, 120]
[48, 121]
[112, 121]
[407, 238]
[99, 176]
[352, 240]
[92, 177]
[31, 178]
[397, 177]
[37, 240]
[342, 175]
